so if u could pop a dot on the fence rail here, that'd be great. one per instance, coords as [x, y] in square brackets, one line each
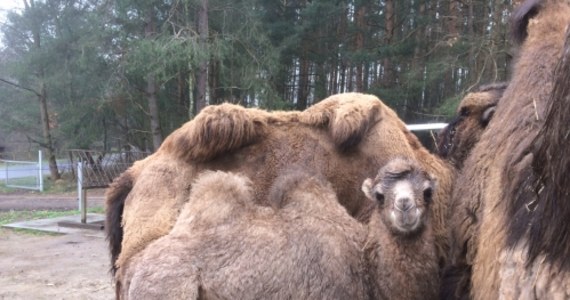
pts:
[100, 168]
[24, 174]
[97, 169]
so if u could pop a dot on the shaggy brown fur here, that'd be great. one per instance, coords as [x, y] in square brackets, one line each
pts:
[474, 112]
[488, 188]
[342, 138]
[400, 248]
[455, 143]
[118, 191]
[224, 246]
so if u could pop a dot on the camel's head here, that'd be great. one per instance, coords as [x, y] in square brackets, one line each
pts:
[473, 114]
[403, 192]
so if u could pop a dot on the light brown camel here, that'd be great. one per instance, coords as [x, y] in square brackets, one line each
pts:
[402, 259]
[516, 243]
[455, 143]
[474, 112]
[342, 138]
[304, 246]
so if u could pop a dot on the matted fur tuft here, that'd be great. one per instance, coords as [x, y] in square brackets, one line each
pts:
[222, 129]
[218, 129]
[542, 194]
[115, 202]
[348, 117]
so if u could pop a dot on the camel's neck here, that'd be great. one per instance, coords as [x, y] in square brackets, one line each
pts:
[400, 267]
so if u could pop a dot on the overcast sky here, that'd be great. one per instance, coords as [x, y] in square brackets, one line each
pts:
[6, 5]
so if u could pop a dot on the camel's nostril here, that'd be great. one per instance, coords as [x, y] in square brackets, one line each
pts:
[404, 204]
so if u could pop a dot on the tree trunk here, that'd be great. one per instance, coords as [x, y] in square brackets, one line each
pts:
[202, 76]
[53, 170]
[42, 99]
[153, 112]
[388, 36]
[149, 31]
[321, 82]
[303, 89]
[359, 44]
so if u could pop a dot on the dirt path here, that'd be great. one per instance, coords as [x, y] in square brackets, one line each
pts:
[53, 267]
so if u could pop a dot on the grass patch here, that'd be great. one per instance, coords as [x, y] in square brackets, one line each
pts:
[7, 217]
[50, 187]
[6, 190]
[95, 210]
[32, 232]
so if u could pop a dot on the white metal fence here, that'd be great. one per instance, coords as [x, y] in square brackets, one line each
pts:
[23, 174]
[428, 126]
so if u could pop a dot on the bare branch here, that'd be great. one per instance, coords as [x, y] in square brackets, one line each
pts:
[13, 84]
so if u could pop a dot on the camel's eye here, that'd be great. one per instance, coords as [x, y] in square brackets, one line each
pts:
[428, 193]
[379, 197]
[464, 112]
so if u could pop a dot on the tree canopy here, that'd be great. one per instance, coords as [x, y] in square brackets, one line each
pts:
[125, 73]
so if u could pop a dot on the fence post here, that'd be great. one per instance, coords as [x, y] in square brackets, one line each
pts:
[81, 192]
[41, 177]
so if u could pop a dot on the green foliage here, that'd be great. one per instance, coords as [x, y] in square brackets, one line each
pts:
[96, 56]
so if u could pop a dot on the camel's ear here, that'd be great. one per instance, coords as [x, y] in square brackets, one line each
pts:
[521, 17]
[487, 115]
[367, 188]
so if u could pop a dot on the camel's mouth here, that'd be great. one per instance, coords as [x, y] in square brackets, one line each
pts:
[406, 222]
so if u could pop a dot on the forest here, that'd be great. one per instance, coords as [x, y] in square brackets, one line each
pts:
[123, 74]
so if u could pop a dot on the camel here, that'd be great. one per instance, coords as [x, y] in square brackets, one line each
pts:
[226, 246]
[515, 240]
[402, 258]
[303, 246]
[474, 112]
[455, 143]
[342, 138]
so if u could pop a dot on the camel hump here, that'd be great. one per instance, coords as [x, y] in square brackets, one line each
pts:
[216, 130]
[218, 197]
[348, 117]
[300, 189]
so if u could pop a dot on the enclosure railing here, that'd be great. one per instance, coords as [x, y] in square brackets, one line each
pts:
[24, 174]
[429, 126]
[97, 169]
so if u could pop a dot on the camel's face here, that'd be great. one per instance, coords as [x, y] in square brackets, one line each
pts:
[407, 210]
[473, 114]
[403, 193]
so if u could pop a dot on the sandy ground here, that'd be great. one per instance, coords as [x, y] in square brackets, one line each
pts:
[33, 266]
[53, 267]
